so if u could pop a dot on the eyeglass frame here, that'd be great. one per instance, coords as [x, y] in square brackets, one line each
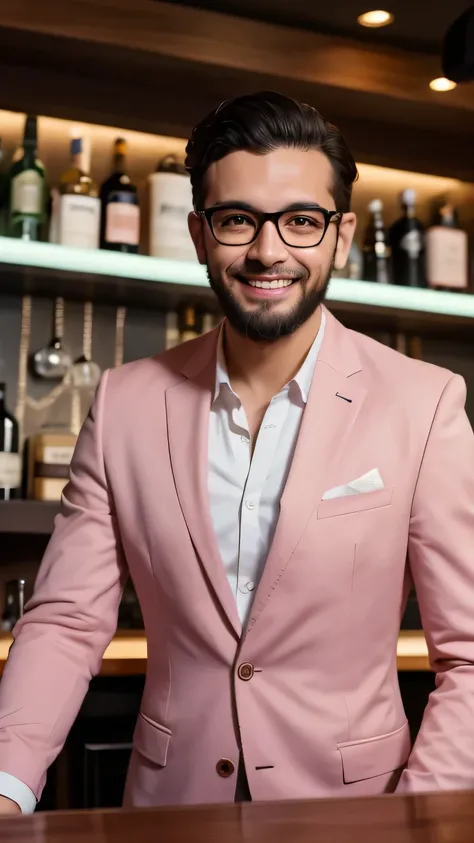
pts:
[274, 217]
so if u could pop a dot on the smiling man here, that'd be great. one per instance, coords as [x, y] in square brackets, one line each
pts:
[274, 488]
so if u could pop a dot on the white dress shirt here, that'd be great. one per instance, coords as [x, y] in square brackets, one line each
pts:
[244, 490]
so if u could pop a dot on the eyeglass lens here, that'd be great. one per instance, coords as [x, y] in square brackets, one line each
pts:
[297, 228]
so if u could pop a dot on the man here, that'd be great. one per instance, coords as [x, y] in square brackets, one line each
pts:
[273, 488]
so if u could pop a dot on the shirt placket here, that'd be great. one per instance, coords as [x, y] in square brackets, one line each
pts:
[251, 549]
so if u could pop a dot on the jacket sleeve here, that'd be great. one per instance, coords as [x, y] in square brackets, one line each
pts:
[70, 620]
[441, 558]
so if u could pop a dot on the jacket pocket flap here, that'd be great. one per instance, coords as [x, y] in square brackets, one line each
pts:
[151, 740]
[375, 756]
[354, 503]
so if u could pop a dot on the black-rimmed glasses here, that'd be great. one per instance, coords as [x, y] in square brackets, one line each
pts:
[302, 228]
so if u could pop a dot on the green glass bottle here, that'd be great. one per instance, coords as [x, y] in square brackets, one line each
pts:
[27, 188]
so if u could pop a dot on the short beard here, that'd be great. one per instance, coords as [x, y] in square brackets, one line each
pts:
[261, 324]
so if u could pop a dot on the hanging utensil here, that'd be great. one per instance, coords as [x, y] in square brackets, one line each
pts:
[85, 372]
[53, 362]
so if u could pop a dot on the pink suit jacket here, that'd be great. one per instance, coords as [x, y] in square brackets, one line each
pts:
[322, 714]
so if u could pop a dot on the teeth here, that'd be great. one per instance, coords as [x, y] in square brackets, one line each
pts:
[276, 284]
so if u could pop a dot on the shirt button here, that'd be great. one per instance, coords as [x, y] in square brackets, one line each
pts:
[250, 586]
[244, 440]
[250, 505]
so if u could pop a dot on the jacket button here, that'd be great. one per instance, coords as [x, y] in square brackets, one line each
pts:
[225, 768]
[246, 671]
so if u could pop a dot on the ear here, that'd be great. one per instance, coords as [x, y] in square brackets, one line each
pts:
[196, 230]
[347, 228]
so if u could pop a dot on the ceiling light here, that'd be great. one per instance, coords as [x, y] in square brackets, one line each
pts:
[375, 19]
[442, 84]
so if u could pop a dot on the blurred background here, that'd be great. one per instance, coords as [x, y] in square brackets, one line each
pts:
[98, 98]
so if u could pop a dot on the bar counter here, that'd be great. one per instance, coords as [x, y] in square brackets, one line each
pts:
[126, 654]
[440, 818]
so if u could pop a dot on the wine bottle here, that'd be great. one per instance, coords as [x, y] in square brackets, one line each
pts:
[170, 205]
[446, 251]
[3, 192]
[79, 203]
[10, 461]
[26, 187]
[376, 249]
[189, 326]
[14, 604]
[120, 214]
[407, 241]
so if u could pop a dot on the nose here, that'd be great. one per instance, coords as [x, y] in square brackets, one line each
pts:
[268, 248]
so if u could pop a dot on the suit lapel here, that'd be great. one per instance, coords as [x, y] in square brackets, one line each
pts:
[187, 408]
[335, 400]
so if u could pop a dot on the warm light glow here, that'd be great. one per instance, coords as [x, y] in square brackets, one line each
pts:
[376, 18]
[442, 84]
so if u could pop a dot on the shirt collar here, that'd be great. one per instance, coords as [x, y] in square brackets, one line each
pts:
[302, 378]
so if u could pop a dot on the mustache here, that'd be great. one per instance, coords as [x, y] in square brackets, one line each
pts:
[276, 271]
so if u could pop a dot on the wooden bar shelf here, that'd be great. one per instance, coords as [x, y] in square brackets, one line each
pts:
[34, 518]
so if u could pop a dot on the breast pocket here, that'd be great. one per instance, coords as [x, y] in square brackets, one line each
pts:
[354, 503]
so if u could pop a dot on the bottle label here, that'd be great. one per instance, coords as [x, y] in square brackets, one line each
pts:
[10, 471]
[57, 454]
[447, 257]
[79, 221]
[412, 243]
[122, 223]
[170, 204]
[27, 193]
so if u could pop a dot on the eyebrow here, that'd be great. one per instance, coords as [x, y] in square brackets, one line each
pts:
[244, 206]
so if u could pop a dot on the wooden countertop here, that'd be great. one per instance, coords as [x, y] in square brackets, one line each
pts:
[126, 655]
[440, 818]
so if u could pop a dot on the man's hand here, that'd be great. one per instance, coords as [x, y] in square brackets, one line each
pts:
[8, 806]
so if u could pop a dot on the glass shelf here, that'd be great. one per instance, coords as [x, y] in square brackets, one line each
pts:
[147, 278]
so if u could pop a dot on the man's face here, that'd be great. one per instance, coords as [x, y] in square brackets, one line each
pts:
[273, 182]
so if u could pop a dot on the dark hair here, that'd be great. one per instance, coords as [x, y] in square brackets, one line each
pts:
[261, 123]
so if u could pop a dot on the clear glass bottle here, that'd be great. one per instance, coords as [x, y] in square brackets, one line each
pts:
[376, 249]
[446, 251]
[79, 203]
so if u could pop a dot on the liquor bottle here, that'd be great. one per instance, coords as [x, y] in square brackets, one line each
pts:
[3, 193]
[376, 249]
[170, 205]
[172, 335]
[407, 242]
[446, 251]
[26, 187]
[10, 460]
[14, 604]
[354, 266]
[189, 326]
[120, 214]
[78, 210]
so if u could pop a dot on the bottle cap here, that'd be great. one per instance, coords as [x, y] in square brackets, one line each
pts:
[376, 206]
[30, 128]
[171, 164]
[409, 197]
[120, 146]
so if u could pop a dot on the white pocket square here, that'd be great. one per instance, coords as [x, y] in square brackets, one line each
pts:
[370, 482]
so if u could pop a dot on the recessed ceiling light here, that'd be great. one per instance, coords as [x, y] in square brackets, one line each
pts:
[442, 84]
[376, 18]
